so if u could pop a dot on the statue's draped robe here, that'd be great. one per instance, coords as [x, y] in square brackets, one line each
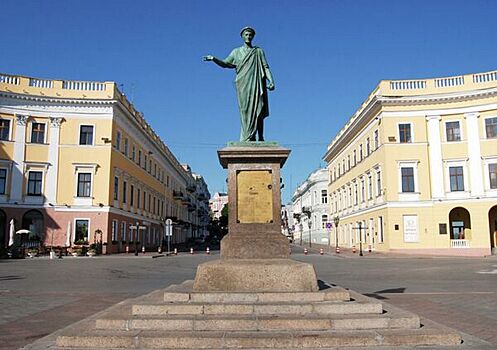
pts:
[251, 88]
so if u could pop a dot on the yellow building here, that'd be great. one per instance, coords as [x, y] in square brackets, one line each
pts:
[414, 170]
[78, 163]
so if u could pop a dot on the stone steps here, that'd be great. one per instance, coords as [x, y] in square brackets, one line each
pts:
[178, 318]
[256, 340]
[260, 323]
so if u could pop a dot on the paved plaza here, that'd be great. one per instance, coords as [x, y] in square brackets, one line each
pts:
[39, 296]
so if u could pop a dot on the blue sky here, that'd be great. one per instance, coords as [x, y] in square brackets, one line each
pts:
[326, 57]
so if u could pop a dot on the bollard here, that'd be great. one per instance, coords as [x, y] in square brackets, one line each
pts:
[305, 251]
[337, 250]
[369, 248]
[191, 251]
[127, 249]
[321, 251]
[159, 250]
[143, 249]
[207, 251]
[175, 251]
[353, 249]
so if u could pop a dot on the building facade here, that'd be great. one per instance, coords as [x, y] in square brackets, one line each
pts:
[217, 203]
[79, 164]
[309, 210]
[415, 168]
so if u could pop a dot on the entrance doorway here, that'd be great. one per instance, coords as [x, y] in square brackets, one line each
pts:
[460, 223]
[492, 224]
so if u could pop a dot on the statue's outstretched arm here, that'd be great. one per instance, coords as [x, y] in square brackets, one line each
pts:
[219, 62]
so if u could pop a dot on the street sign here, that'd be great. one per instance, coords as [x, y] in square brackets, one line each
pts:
[169, 227]
[132, 227]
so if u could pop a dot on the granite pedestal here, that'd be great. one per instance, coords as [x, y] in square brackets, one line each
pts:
[254, 254]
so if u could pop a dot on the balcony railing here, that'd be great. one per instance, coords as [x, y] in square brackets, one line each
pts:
[177, 195]
[459, 243]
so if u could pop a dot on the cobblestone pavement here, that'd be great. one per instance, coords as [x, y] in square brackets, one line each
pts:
[39, 296]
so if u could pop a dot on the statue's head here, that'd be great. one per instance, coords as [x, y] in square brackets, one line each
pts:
[249, 29]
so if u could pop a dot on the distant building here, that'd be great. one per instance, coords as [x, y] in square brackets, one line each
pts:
[415, 168]
[79, 164]
[310, 209]
[216, 204]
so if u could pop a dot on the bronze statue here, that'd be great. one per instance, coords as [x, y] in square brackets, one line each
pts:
[253, 79]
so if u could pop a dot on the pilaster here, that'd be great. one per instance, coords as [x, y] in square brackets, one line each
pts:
[474, 153]
[19, 155]
[435, 152]
[53, 160]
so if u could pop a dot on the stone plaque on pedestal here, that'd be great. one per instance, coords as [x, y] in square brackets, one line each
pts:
[254, 254]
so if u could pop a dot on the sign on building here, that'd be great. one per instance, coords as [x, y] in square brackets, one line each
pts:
[411, 232]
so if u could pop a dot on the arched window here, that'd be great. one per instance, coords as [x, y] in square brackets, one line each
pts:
[460, 223]
[324, 220]
[34, 222]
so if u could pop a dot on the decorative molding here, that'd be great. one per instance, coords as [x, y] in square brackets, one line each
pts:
[21, 120]
[55, 122]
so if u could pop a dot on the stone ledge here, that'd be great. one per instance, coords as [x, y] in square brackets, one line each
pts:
[257, 275]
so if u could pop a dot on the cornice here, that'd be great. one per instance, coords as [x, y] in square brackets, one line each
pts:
[438, 98]
[51, 99]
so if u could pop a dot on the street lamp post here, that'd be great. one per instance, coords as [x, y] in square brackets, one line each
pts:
[336, 220]
[309, 224]
[360, 238]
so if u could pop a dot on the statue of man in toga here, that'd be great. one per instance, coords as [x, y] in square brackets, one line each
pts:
[253, 79]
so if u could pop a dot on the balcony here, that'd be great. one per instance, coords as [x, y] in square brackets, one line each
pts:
[177, 195]
[191, 188]
[459, 243]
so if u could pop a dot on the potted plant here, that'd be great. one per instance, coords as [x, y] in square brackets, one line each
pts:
[32, 252]
[91, 252]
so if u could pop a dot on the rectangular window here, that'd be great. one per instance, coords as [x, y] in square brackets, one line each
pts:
[84, 185]
[355, 157]
[456, 175]
[86, 135]
[491, 127]
[125, 189]
[138, 198]
[368, 147]
[116, 188]
[117, 144]
[360, 153]
[348, 162]
[114, 230]
[131, 195]
[363, 191]
[324, 197]
[376, 139]
[139, 157]
[146, 161]
[133, 153]
[144, 200]
[405, 133]
[38, 133]
[126, 146]
[4, 129]
[452, 131]
[123, 231]
[407, 179]
[34, 183]
[492, 175]
[370, 187]
[378, 183]
[3, 180]
[380, 229]
[356, 194]
[81, 230]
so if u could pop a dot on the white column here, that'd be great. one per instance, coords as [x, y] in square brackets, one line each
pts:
[475, 166]
[53, 160]
[19, 152]
[435, 153]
